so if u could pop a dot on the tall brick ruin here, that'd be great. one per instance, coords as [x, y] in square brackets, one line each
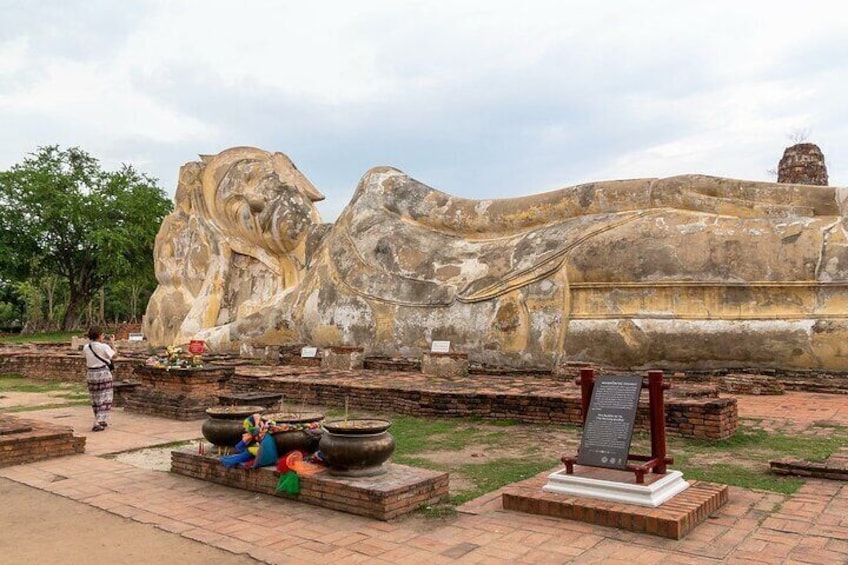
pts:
[802, 164]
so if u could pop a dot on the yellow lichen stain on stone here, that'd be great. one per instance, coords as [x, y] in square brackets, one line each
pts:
[279, 336]
[324, 335]
[510, 326]
[384, 315]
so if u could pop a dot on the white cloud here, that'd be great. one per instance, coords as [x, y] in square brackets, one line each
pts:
[479, 98]
[103, 101]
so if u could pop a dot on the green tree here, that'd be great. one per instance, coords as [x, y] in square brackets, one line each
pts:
[61, 214]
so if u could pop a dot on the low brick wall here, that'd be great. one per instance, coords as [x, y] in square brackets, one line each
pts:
[45, 366]
[25, 441]
[703, 417]
[706, 418]
[52, 365]
[398, 492]
[736, 383]
[813, 469]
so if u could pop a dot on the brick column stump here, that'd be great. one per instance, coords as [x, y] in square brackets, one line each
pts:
[445, 364]
[343, 358]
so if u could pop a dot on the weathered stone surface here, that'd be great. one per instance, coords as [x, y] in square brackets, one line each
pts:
[690, 271]
[236, 241]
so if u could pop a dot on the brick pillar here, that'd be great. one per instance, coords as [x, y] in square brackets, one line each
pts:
[802, 164]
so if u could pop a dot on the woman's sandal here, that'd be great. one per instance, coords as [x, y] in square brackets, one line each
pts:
[98, 428]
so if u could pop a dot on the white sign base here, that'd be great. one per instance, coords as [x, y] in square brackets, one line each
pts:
[654, 494]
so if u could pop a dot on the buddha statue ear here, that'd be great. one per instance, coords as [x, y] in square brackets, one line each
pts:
[312, 193]
[292, 176]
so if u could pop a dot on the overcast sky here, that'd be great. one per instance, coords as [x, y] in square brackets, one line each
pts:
[481, 99]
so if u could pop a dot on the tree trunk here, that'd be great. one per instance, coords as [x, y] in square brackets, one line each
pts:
[135, 291]
[50, 288]
[75, 304]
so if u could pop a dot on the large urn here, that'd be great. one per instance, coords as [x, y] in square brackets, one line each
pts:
[224, 426]
[299, 431]
[357, 447]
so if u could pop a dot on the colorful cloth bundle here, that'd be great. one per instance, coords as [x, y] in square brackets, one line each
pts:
[291, 466]
[256, 448]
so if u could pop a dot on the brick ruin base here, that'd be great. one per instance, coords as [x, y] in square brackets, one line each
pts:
[736, 383]
[673, 519]
[398, 492]
[444, 364]
[691, 416]
[179, 394]
[25, 441]
[834, 467]
[343, 358]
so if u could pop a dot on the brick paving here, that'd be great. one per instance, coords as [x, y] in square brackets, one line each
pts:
[810, 526]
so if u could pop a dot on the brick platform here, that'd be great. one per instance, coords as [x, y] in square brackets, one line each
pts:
[398, 492]
[25, 441]
[180, 394]
[674, 519]
[540, 400]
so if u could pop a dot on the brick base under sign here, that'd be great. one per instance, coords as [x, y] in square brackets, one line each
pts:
[674, 519]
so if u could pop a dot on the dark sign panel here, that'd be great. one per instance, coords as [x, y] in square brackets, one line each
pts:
[609, 424]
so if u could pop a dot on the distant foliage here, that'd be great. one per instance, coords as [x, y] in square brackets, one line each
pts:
[70, 230]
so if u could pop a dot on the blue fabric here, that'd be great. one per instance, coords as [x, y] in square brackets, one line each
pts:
[230, 461]
[267, 454]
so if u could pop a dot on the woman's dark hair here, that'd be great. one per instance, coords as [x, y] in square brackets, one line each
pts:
[94, 332]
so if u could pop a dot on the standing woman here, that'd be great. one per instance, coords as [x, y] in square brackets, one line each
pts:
[98, 359]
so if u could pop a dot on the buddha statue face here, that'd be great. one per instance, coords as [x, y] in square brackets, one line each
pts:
[260, 198]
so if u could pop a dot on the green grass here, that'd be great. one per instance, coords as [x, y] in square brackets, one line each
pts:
[416, 436]
[45, 406]
[73, 394]
[17, 383]
[492, 475]
[758, 445]
[413, 435]
[742, 460]
[50, 337]
[724, 473]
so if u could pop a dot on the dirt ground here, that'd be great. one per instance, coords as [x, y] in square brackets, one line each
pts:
[38, 527]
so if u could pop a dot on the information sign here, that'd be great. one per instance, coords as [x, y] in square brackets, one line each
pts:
[440, 347]
[608, 429]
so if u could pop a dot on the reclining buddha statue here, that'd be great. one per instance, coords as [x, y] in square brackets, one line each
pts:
[690, 271]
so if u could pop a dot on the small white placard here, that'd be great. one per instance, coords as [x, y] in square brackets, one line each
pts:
[309, 352]
[136, 337]
[440, 347]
